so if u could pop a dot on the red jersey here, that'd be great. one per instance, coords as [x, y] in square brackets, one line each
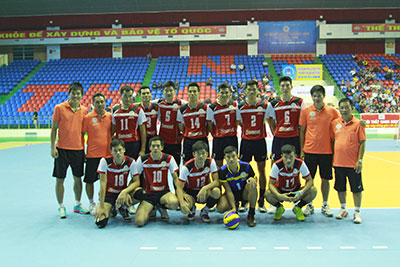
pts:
[151, 116]
[167, 113]
[288, 180]
[223, 118]
[286, 116]
[194, 120]
[253, 120]
[194, 178]
[127, 122]
[154, 176]
[117, 176]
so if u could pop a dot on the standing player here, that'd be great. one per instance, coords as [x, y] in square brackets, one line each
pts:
[240, 184]
[252, 115]
[114, 173]
[223, 126]
[349, 137]
[284, 183]
[315, 143]
[167, 115]
[154, 169]
[151, 112]
[283, 118]
[194, 185]
[67, 122]
[97, 125]
[192, 121]
[128, 119]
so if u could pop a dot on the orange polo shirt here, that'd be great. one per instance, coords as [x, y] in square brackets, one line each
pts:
[347, 141]
[99, 134]
[69, 126]
[317, 138]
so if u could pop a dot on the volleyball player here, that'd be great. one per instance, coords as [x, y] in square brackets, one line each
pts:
[150, 110]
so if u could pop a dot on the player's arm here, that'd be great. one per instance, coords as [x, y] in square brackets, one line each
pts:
[143, 136]
[183, 202]
[102, 195]
[229, 195]
[113, 131]
[272, 125]
[210, 118]
[361, 151]
[53, 137]
[301, 140]
[124, 196]
[202, 195]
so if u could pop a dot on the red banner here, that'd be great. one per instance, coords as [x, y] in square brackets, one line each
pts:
[153, 31]
[376, 27]
[381, 120]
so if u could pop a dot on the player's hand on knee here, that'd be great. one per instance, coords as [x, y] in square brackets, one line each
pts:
[185, 208]
[202, 196]
[252, 182]
[187, 198]
[128, 200]
[100, 214]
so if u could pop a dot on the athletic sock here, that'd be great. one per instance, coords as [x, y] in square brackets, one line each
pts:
[61, 205]
[324, 203]
[91, 201]
[77, 202]
[343, 206]
[310, 203]
[252, 211]
[357, 209]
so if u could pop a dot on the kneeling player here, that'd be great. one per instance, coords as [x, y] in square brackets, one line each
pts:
[114, 172]
[240, 184]
[194, 184]
[154, 169]
[284, 183]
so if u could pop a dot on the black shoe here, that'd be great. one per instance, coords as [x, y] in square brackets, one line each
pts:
[113, 212]
[125, 214]
[251, 221]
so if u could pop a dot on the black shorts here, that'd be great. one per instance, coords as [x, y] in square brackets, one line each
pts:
[220, 143]
[187, 147]
[192, 193]
[132, 149]
[341, 173]
[91, 174]
[154, 198]
[256, 148]
[73, 158]
[147, 144]
[278, 142]
[111, 198]
[324, 161]
[174, 150]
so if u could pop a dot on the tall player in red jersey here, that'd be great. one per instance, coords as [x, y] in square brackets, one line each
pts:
[192, 121]
[283, 117]
[150, 110]
[194, 184]
[154, 169]
[284, 183]
[169, 130]
[223, 123]
[252, 115]
[128, 124]
[114, 173]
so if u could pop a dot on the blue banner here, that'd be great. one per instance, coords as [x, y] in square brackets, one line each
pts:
[287, 37]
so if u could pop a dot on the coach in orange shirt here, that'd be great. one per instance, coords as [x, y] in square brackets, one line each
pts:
[315, 143]
[67, 122]
[349, 146]
[97, 125]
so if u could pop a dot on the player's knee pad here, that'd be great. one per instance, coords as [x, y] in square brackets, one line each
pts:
[210, 202]
[102, 223]
[139, 194]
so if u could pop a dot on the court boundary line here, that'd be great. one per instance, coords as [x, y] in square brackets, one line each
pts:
[389, 161]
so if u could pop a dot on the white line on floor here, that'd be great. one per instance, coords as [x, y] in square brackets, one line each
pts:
[379, 247]
[347, 247]
[215, 248]
[281, 248]
[249, 248]
[183, 248]
[148, 248]
[393, 162]
[314, 247]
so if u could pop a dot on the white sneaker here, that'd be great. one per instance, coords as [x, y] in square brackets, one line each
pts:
[326, 210]
[132, 210]
[357, 218]
[308, 210]
[343, 213]
[92, 209]
[271, 209]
